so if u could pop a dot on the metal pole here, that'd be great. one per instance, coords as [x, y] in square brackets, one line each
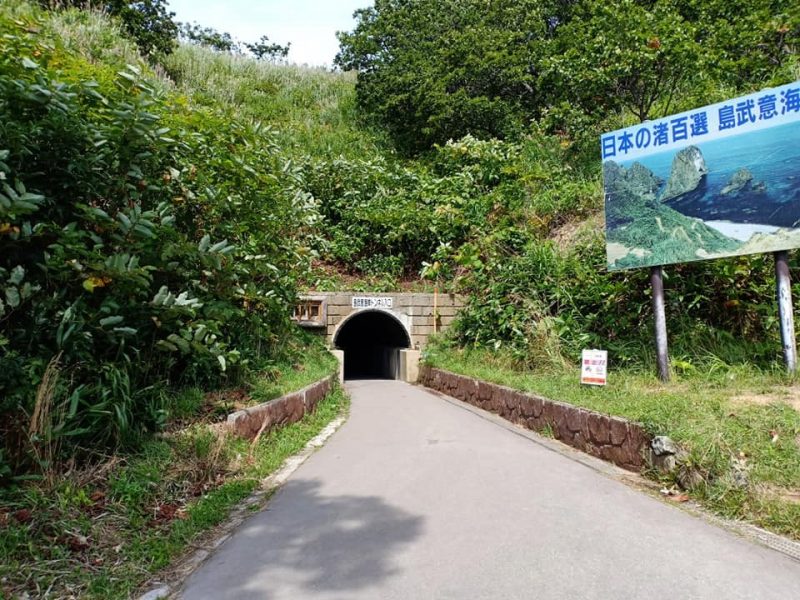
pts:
[662, 357]
[435, 305]
[783, 288]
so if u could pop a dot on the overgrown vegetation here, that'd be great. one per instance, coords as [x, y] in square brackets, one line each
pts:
[522, 233]
[433, 71]
[158, 213]
[104, 531]
[311, 111]
[741, 425]
[148, 23]
[311, 363]
[146, 242]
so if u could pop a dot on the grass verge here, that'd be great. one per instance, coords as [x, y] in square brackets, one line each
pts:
[289, 376]
[103, 532]
[732, 421]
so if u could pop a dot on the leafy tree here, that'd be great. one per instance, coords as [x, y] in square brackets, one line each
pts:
[148, 22]
[439, 69]
[264, 50]
[434, 71]
[614, 62]
[753, 43]
[221, 41]
[618, 54]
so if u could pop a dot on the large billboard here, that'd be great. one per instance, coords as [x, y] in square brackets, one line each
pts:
[717, 181]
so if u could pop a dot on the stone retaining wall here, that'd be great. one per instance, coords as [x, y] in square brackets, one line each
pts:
[616, 440]
[280, 411]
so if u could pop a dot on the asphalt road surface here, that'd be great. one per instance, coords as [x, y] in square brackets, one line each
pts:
[417, 498]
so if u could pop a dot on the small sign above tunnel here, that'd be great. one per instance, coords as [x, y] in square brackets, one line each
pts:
[372, 302]
[420, 314]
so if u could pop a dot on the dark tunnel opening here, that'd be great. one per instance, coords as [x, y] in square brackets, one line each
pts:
[371, 341]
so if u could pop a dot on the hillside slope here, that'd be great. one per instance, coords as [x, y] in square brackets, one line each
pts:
[311, 109]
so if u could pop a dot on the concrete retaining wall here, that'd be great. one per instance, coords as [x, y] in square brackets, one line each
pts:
[280, 411]
[616, 440]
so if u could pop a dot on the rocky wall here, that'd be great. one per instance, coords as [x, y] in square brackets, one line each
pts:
[616, 440]
[280, 411]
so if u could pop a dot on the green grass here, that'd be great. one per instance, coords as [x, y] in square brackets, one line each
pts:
[104, 533]
[703, 411]
[92, 35]
[288, 376]
[313, 110]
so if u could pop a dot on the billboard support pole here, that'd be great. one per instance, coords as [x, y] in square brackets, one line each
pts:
[662, 357]
[783, 288]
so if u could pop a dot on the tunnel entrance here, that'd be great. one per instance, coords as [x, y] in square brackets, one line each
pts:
[371, 341]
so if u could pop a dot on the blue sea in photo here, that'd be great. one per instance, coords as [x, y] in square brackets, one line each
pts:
[772, 156]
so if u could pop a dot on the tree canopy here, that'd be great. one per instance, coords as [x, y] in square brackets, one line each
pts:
[222, 41]
[432, 71]
[440, 69]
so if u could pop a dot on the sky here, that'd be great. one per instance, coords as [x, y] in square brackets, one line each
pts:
[310, 25]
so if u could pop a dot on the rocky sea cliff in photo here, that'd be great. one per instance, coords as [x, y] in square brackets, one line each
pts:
[727, 196]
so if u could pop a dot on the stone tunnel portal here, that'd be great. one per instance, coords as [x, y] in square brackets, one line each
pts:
[371, 341]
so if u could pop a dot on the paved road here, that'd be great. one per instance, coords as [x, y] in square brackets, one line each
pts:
[416, 498]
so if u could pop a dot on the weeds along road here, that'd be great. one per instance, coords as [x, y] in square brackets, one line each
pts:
[416, 497]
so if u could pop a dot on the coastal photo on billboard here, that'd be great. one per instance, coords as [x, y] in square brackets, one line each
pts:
[722, 180]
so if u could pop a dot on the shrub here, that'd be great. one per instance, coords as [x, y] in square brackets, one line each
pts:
[144, 241]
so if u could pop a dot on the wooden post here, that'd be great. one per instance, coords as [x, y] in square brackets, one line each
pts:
[662, 356]
[783, 289]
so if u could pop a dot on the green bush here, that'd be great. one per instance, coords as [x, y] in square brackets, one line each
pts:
[534, 288]
[144, 241]
[716, 310]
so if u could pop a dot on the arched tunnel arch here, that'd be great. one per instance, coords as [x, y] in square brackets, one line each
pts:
[371, 341]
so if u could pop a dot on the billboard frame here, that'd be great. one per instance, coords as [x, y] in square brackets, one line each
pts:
[729, 114]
